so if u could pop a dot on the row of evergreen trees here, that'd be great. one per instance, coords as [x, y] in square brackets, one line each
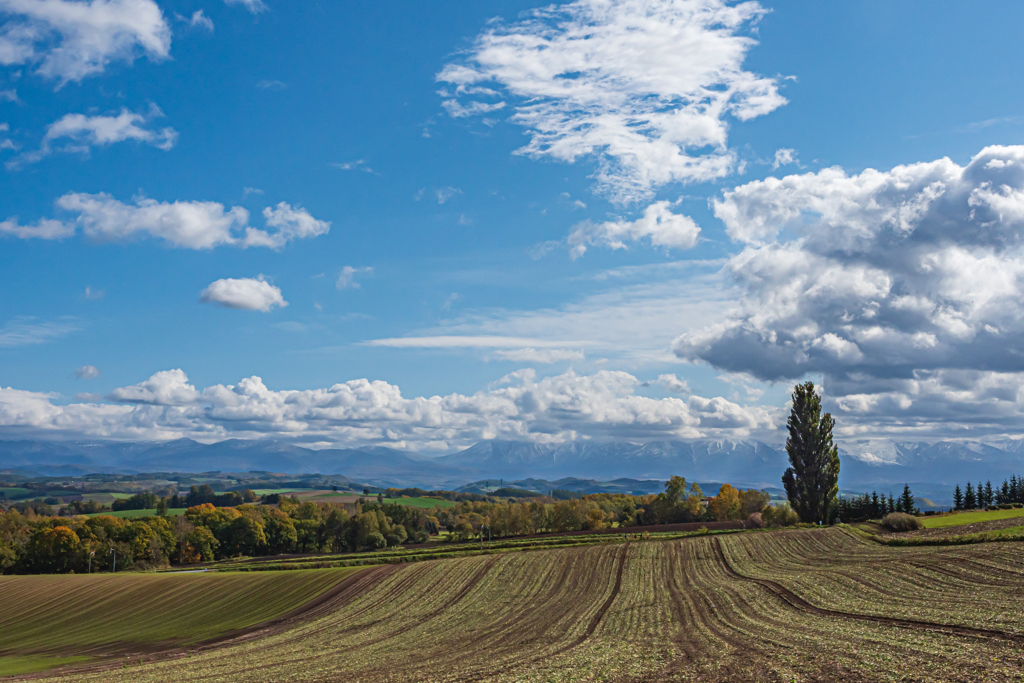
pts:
[1012, 491]
[874, 506]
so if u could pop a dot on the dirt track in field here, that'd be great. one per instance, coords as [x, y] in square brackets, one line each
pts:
[814, 605]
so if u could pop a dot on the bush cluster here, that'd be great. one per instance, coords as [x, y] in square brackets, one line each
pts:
[901, 521]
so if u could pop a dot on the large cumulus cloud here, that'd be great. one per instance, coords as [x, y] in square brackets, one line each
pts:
[519, 406]
[902, 288]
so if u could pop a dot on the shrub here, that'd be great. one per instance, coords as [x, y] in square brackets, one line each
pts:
[375, 540]
[779, 515]
[901, 521]
[754, 521]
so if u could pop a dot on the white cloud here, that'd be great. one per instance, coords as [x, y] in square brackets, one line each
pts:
[347, 277]
[270, 84]
[84, 132]
[8, 95]
[648, 88]
[672, 383]
[254, 6]
[165, 388]
[446, 193]
[45, 229]
[531, 355]
[472, 342]
[291, 224]
[201, 20]
[87, 372]
[185, 224]
[634, 321]
[357, 165]
[94, 294]
[70, 40]
[904, 288]
[784, 157]
[248, 294]
[520, 406]
[26, 331]
[658, 223]
[251, 190]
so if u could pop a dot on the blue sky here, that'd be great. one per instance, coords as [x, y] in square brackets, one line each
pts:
[432, 246]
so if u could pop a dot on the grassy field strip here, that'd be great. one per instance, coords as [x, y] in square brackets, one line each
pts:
[16, 666]
[66, 615]
[648, 610]
[961, 518]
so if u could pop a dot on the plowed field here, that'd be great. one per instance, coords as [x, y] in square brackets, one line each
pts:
[84, 617]
[814, 605]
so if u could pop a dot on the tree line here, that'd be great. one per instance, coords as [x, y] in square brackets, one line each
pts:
[32, 543]
[874, 506]
[1011, 492]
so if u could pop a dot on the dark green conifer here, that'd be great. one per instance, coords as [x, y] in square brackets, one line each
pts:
[812, 482]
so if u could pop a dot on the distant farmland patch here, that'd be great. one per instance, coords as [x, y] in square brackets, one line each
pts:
[960, 518]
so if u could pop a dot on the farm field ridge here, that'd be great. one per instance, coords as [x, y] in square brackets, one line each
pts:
[760, 606]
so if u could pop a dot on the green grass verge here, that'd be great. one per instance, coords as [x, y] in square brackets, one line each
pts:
[960, 518]
[135, 514]
[18, 665]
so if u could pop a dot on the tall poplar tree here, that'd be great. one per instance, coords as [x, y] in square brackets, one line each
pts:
[958, 498]
[812, 482]
[969, 501]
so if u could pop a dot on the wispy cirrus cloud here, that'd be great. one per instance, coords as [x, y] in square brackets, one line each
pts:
[647, 89]
[29, 331]
[347, 277]
[254, 6]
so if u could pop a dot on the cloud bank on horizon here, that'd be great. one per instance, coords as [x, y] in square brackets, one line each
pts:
[519, 406]
[733, 240]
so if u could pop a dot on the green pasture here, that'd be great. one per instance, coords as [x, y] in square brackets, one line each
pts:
[960, 518]
[28, 664]
[134, 514]
[1010, 531]
[14, 493]
[60, 619]
[270, 492]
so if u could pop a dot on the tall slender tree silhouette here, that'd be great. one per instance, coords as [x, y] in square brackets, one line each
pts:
[812, 482]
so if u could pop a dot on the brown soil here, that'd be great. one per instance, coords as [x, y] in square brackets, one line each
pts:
[799, 603]
[962, 530]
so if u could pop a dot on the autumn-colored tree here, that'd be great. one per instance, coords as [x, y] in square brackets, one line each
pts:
[56, 551]
[727, 504]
